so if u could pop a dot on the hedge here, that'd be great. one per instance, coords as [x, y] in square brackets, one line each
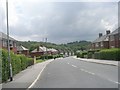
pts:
[19, 63]
[108, 54]
[0, 66]
[82, 54]
[90, 53]
[49, 56]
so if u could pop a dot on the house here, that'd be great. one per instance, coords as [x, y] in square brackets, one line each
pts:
[102, 41]
[4, 42]
[52, 51]
[114, 39]
[22, 50]
[40, 50]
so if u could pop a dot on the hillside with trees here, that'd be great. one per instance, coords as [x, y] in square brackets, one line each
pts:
[72, 46]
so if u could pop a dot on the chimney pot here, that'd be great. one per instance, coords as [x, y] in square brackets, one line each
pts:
[37, 48]
[100, 34]
[107, 32]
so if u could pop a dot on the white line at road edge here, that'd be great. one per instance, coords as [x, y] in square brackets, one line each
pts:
[37, 77]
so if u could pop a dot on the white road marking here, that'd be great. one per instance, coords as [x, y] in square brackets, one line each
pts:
[68, 63]
[98, 75]
[74, 66]
[37, 77]
[87, 71]
[114, 81]
[91, 73]
[48, 73]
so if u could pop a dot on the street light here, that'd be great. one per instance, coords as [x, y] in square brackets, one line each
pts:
[8, 44]
[46, 49]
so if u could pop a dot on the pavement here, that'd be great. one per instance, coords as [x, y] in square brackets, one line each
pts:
[25, 78]
[72, 73]
[107, 62]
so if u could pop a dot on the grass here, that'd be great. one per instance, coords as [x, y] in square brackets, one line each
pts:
[39, 61]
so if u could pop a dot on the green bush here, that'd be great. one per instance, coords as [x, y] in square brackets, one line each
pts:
[0, 66]
[46, 57]
[96, 55]
[5, 69]
[82, 54]
[89, 55]
[108, 54]
[49, 56]
[19, 63]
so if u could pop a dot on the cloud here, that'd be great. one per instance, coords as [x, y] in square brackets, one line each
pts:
[61, 22]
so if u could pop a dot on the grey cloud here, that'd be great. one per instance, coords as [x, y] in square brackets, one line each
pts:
[63, 21]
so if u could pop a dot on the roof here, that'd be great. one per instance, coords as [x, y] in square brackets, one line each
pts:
[4, 36]
[52, 50]
[41, 49]
[102, 38]
[21, 48]
[115, 31]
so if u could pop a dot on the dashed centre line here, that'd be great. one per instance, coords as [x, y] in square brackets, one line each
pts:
[74, 66]
[94, 74]
[114, 81]
[87, 71]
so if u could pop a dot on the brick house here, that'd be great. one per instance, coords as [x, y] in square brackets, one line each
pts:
[3, 42]
[114, 39]
[22, 50]
[102, 41]
[41, 50]
[52, 51]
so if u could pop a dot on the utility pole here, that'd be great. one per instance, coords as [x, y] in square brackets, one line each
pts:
[8, 44]
[46, 49]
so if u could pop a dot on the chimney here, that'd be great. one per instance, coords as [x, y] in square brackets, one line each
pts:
[107, 32]
[100, 34]
[38, 48]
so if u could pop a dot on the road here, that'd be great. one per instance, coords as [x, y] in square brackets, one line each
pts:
[72, 73]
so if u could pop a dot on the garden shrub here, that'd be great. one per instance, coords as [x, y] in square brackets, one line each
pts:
[108, 54]
[0, 65]
[82, 54]
[42, 57]
[19, 63]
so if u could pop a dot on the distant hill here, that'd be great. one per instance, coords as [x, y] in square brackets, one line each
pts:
[78, 45]
[72, 46]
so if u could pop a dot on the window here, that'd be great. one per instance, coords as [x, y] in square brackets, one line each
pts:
[96, 44]
[112, 38]
[101, 44]
[11, 43]
[14, 43]
[112, 46]
[119, 36]
[4, 42]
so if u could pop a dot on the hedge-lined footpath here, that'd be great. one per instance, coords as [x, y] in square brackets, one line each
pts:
[105, 54]
[19, 63]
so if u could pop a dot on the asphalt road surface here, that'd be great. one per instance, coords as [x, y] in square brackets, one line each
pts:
[72, 73]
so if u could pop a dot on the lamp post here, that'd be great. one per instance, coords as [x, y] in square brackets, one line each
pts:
[8, 44]
[46, 49]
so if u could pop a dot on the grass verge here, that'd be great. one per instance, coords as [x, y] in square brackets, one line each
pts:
[39, 61]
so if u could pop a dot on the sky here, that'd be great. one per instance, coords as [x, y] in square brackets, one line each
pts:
[59, 21]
